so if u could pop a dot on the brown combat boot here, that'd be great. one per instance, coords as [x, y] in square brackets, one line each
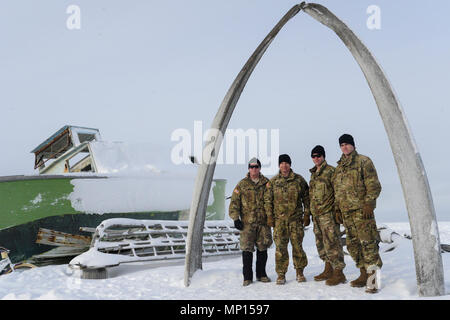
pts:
[361, 280]
[247, 283]
[337, 278]
[326, 274]
[264, 279]
[281, 279]
[300, 277]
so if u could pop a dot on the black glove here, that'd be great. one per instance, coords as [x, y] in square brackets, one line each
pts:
[238, 224]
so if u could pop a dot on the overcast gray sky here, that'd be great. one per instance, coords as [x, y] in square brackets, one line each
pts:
[138, 70]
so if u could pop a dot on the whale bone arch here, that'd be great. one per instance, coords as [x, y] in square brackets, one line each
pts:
[414, 181]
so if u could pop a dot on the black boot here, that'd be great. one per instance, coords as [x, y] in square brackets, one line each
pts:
[247, 262]
[261, 260]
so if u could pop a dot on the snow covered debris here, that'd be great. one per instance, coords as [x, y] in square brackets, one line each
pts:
[222, 279]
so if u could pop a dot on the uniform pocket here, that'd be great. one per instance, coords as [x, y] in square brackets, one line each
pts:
[293, 192]
[319, 191]
[248, 199]
[278, 195]
[266, 235]
[367, 229]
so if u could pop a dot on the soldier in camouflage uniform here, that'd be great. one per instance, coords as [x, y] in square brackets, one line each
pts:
[356, 189]
[247, 211]
[286, 202]
[326, 230]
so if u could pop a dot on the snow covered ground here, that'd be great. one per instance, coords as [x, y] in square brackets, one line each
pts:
[223, 279]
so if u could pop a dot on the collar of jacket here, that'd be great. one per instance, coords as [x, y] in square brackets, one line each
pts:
[320, 169]
[261, 178]
[289, 177]
[346, 161]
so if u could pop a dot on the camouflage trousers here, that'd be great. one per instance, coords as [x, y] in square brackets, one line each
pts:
[255, 234]
[328, 240]
[284, 232]
[362, 239]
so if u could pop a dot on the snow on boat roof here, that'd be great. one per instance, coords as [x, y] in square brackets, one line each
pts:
[59, 132]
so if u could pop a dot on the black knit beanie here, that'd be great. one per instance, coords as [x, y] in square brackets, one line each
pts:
[284, 158]
[318, 150]
[346, 138]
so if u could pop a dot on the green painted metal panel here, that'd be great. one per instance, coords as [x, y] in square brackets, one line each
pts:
[27, 200]
[28, 203]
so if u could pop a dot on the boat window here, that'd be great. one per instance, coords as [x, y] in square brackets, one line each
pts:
[53, 149]
[86, 137]
[80, 162]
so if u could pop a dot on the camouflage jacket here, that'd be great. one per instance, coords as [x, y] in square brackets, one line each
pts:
[355, 182]
[247, 201]
[321, 193]
[287, 197]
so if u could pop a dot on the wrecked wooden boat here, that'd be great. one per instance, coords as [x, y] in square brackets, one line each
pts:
[82, 181]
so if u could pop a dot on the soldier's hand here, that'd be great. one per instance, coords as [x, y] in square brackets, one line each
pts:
[306, 220]
[238, 224]
[270, 221]
[367, 211]
[338, 216]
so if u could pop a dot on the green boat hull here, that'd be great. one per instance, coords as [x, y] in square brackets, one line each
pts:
[28, 203]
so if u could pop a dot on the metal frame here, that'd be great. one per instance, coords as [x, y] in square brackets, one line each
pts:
[118, 241]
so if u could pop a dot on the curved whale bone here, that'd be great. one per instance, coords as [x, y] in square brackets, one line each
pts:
[212, 147]
[416, 190]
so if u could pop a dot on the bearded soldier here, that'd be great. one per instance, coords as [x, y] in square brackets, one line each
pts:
[326, 230]
[287, 207]
[356, 189]
[247, 211]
